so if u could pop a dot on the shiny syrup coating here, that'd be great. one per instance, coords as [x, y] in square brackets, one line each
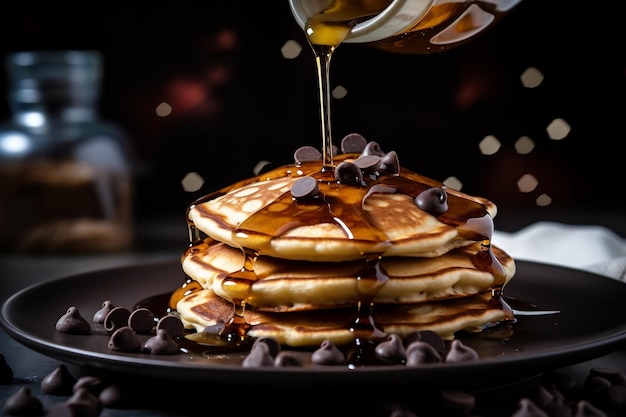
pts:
[341, 204]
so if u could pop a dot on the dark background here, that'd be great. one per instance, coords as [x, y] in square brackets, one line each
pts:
[237, 101]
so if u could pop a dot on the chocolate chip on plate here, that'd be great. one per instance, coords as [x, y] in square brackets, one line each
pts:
[124, 339]
[141, 320]
[101, 314]
[172, 325]
[116, 318]
[73, 322]
[161, 344]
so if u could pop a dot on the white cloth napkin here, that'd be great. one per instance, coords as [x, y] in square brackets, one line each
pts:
[592, 248]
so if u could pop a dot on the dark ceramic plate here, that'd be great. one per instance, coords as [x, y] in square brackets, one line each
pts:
[589, 323]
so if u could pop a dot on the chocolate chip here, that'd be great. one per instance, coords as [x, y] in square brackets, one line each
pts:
[390, 163]
[286, 358]
[114, 397]
[368, 163]
[72, 322]
[373, 148]
[391, 350]
[328, 354]
[527, 408]
[124, 339]
[172, 325]
[58, 382]
[433, 201]
[161, 344]
[92, 383]
[116, 318]
[272, 344]
[353, 143]
[306, 153]
[141, 320]
[459, 352]
[23, 403]
[101, 314]
[420, 353]
[6, 372]
[585, 409]
[434, 339]
[457, 403]
[258, 356]
[84, 403]
[305, 187]
[616, 377]
[348, 173]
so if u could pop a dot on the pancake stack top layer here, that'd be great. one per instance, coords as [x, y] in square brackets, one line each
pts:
[302, 253]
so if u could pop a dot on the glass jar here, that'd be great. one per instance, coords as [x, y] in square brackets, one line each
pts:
[66, 181]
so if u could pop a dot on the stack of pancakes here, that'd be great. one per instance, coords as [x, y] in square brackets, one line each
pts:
[304, 253]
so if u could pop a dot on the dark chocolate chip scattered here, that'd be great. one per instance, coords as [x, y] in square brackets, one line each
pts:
[172, 325]
[527, 408]
[101, 314]
[433, 201]
[348, 173]
[116, 318]
[460, 352]
[457, 403]
[58, 382]
[141, 320]
[72, 322]
[6, 372]
[306, 153]
[353, 143]
[272, 345]
[585, 409]
[368, 163]
[124, 339]
[258, 356]
[434, 339]
[23, 403]
[391, 350]
[373, 148]
[616, 377]
[92, 383]
[114, 397]
[390, 163]
[305, 187]
[328, 354]
[161, 344]
[420, 353]
[84, 403]
[286, 358]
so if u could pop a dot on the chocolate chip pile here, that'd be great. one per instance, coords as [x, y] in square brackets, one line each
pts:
[124, 326]
[557, 394]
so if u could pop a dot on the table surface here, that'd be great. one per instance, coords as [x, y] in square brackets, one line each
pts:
[30, 367]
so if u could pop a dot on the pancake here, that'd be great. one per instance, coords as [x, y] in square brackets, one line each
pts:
[306, 253]
[204, 309]
[344, 222]
[281, 285]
